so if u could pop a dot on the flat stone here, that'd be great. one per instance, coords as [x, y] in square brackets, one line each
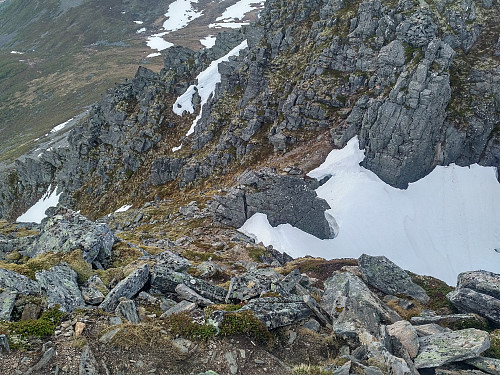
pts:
[430, 329]
[108, 336]
[188, 294]
[47, 356]
[182, 345]
[181, 307]
[127, 288]
[251, 284]
[448, 347]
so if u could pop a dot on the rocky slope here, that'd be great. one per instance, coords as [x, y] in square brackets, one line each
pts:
[120, 302]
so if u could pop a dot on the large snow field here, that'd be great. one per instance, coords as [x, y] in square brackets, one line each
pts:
[37, 212]
[179, 14]
[446, 223]
[206, 83]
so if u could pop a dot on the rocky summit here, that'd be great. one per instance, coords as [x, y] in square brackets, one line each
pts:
[143, 265]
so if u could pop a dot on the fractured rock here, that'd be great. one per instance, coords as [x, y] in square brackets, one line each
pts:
[172, 261]
[88, 364]
[490, 365]
[128, 310]
[10, 280]
[406, 335]
[181, 307]
[380, 272]
[188, 294]
[251, 284]
[60, 286]
[127, 288]
[7, 302]
[448, 347]
[277, 312]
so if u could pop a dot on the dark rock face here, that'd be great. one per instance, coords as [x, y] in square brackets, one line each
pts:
[478, 292]
[67, 230]
[283, 198]
[386, 276]
[59, 285]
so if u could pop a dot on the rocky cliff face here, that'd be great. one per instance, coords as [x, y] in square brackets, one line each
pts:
[418, 83]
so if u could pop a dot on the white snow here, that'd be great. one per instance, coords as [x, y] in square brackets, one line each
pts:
[37, 212]
[139, 22]
[156, 42]
[153, 55]
[229, 25]
[124, 208]
[17, 53]
[207, 80]
[60, 127]
[180, 13]
[239, 10]
[446, 223]
[177, 148]
[208, 41]
[141, 30]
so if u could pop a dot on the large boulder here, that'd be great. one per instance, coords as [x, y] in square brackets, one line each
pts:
[353, 307]
[127, 288]
[448, 347]
[283, 198]
[405, 335]
[380, 272]
[7, 301]
[478, 292]
[67, 230]
[251, 284]
[60, 286]
[10, 280]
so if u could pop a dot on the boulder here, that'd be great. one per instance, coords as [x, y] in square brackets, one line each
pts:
[88, 363]
[172, 261]
[478, 292]
[380, 272]
[277, 312]
[448, 347]
[181, 307]
[353, 307]
[489, 365]
[404, 333]
[428, 317]
[60, 286]
[165, 280]
[251, 284]
[67, 230]
[7, 302]
[188, 294]
[10, 280]
[128, 310]
[430, 329]
[127, 288]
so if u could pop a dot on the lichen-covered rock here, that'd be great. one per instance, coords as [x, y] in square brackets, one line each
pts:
[188, 294]
[251, 284]
[490, 365]
[128, 310]
[164, 279]
[7, 301]
[172, 261]
[88, 363]
[277, 312]
[406, 335]
[283, 198]
[67, 230]
[380, 272]
[10, 280]
[60, 286]
[353, 307]
[127, 288]
[448, 347]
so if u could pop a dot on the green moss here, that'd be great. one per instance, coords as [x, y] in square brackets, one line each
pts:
[436, 290]
[183, 325]
[494, 350]
[245, 323]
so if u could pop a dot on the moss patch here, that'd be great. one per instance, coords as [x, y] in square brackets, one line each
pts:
[494, 350]
[437, 291]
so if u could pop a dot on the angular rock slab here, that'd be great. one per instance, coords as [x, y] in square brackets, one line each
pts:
[127, 288]
[173, 261]
[10, 280]
[60, 286]
[490, 365]
[456, 346]
[251, 284]
[407, 336]
[481, 281]
[380, 272]
[466, 299]
[353, 307]
[277, 312]
[68, 230]
[128, 310]
[7, 301]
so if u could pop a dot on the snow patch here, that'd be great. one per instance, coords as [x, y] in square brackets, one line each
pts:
[177, 148]
[139, 22]
[141, 30]
[228, 25]
[37, 212]
[124, 208]
[207, 80]
[156, 42]
[240, 9]
[60, 127]
[180, 13]
[446, 223]
[17, 53]
[208, 41]
[153, 55]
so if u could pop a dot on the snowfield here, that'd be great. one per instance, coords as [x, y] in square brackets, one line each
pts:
[179, 14]
[443, 224]
[239, 10]
[37, 212]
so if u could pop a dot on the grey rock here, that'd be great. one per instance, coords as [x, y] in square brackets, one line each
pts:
[148, 298]
[232, 361]
[489, 365]
[380, 272]
[182, 345]
[425, 318]
[277, 312]
[92, 296]
[353, 307]
[165, 280]
[128, 287]
[46, 357]
[316, 309]
[115, 320]
[251, 284]
[4, 343]
[67, 231]
[283, 198]
[448, 347]
[173, 261]
[60, 286]
[401, 302]
[88, 363]
[208, 269]
[10, 280]
[312, 324]
[188, 294]
[31, 311]
[109, 335]
[406, 336]
[430, 329]
[181, 307]
[481, 281]
[457, 371]
[165, 170]
[7, 302]
[128, 310]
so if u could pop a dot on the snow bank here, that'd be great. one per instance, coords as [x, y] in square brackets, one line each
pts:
[37, 212]
[60, 127]
[156, 42]
[208, 41]
[443, 224]
[240, 9]
[207, 80]
[124, 208]
[180, 13]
